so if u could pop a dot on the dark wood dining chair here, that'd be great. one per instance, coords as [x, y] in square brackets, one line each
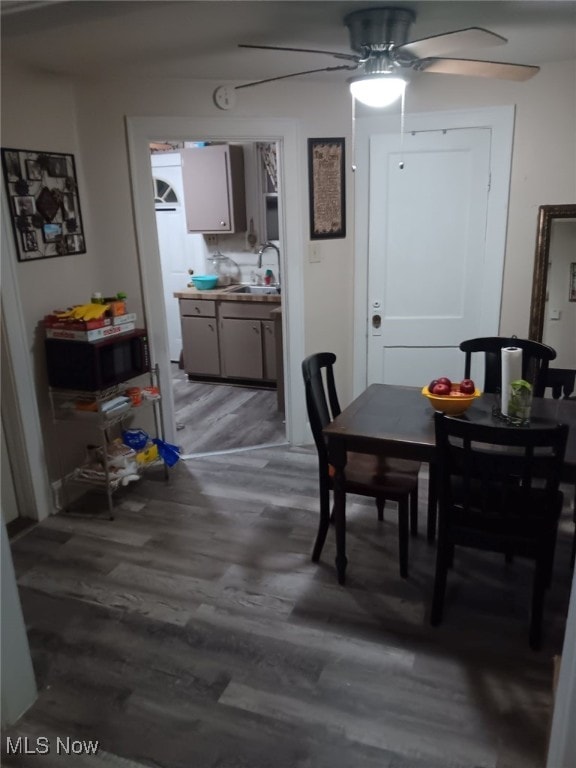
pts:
[499, 490]
[535, 368]
[535, 360]
[562, 382]
[366, 475]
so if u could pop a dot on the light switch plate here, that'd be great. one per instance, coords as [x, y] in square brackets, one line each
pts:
[314, 253]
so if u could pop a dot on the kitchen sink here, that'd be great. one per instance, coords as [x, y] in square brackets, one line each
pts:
[258, 289]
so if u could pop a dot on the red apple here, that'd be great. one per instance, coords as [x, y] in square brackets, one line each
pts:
[445, 380]
[441, 389]
[467, 387]
[432, 385]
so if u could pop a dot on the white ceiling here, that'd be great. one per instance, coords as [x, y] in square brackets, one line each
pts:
[184, 39]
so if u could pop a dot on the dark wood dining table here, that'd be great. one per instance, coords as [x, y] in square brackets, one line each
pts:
[398, 421]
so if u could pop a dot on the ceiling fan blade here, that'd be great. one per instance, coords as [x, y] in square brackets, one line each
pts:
[438, 45]
[476, 68]
[345, 56]
[295, 74]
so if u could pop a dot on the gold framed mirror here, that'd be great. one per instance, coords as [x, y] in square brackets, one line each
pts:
[547, 216]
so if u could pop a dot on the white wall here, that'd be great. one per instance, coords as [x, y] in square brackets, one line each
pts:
[38, 113]
[89, 121]
[328, 298]
[543, 163]
[542, 173]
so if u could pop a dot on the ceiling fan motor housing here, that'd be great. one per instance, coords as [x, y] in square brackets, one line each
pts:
[375, 29]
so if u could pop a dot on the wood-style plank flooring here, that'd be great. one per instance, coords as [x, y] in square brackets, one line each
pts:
[222, 417]
[193, 631]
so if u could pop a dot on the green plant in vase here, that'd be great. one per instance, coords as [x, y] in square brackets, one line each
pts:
[520, 402]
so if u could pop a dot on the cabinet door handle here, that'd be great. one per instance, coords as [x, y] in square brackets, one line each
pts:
[197, 309]
[210, 325]
[222, 223]
[256, 328]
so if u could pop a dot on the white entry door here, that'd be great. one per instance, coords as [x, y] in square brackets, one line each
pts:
[178, 250]
[428, 263]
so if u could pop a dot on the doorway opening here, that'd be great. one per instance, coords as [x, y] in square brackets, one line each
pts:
[143, 130]
[217, 413]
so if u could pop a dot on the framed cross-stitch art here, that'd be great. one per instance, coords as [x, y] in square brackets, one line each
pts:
[44, 206]
[326, 172]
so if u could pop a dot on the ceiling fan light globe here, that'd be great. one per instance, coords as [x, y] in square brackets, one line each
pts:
[377, 90]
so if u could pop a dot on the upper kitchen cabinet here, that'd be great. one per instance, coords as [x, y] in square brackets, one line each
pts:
[214, 193]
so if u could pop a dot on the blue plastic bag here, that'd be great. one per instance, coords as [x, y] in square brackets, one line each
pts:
[135, 438]
[169, 453]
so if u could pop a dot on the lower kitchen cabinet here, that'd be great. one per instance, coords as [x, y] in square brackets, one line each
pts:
[241, 348]
[229, 339]
[247, 340]
[200, 345]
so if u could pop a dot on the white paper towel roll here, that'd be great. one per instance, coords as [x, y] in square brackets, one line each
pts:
[511, 371]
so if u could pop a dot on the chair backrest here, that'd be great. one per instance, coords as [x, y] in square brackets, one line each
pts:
[498, 482]
[321, 398]
[562, 381]
[535, 360]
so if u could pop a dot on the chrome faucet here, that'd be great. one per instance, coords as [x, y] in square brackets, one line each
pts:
[265, 247]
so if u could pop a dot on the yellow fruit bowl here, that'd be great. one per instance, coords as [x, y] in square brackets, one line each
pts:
[451, 405]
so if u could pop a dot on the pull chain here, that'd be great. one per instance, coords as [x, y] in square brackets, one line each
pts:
[402, 114]
[353, 134]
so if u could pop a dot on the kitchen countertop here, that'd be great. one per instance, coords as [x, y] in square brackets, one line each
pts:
[228, 294]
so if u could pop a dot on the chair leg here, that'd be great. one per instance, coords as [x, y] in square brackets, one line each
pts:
[403, 536]
[538, 591]
[340, 524]
[432, 501]
[573, 554]
[414, 512]
[380, 504]
[442, 561]
[324, 523]
[549, 560]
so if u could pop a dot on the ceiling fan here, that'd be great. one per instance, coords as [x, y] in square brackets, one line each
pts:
[379, 39]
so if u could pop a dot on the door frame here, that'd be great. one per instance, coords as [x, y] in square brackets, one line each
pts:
[500, 120]
[142, 130]
[19, 400]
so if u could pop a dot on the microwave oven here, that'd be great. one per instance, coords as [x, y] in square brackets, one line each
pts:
[97, 365]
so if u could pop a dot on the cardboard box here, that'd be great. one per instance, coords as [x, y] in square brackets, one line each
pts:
[94, 335]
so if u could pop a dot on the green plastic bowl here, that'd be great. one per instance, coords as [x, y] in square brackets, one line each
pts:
[204, 282]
